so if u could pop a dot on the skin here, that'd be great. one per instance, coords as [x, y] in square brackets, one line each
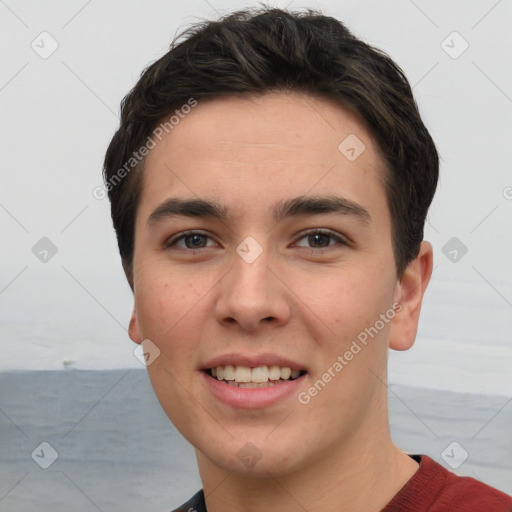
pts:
[304, 298]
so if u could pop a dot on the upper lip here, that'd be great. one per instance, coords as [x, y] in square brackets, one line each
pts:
[253, 361]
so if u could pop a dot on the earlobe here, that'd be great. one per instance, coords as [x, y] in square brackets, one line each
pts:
[410, 291]
[133, 329]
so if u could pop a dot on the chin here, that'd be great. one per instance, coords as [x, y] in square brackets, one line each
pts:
[260, 468]
[254, 456]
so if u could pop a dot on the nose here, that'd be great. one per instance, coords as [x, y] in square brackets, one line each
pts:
[251, 295]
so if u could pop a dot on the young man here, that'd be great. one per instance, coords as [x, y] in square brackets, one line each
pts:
[269, 185]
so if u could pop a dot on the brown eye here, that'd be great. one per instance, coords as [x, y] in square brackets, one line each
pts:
[191, 240]
[194, 241]
[321, 239]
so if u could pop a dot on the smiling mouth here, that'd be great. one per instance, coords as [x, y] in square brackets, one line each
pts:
[258, 377]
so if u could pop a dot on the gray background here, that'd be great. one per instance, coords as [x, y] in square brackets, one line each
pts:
[70, 313]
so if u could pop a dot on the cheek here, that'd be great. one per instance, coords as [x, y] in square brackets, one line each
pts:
[163, 299]
[345, 302]
[168, 310]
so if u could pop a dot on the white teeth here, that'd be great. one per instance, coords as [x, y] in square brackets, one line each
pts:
[242, 374]
[259, 374]
[264, 375]
[229, 372]
[285, 372]
[274, 373]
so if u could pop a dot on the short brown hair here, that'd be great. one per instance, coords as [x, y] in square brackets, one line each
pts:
[266, 49]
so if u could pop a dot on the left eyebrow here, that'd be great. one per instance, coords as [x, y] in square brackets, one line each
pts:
[316, 205]
[303, 205]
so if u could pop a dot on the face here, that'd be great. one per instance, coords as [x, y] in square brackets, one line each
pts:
[260, 242]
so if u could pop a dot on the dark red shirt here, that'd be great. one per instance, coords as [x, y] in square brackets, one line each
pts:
[431, 489]
[434, 489]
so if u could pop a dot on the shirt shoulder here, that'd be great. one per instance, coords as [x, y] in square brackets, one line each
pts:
[435, 489]
[194, 504]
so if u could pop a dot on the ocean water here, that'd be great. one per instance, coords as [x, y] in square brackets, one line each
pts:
[115, 449]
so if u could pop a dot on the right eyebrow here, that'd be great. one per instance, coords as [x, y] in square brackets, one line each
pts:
[187, 207]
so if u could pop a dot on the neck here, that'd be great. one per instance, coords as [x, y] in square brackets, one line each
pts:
[362, 475]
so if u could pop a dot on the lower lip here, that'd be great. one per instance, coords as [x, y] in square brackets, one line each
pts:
[251, 398]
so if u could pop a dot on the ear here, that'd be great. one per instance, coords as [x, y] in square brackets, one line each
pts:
[133, 329]
[409, 294]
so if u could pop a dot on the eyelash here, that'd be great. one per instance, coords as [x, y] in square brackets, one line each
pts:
[341, 241]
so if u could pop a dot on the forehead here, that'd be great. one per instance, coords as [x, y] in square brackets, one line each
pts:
[252, 152]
